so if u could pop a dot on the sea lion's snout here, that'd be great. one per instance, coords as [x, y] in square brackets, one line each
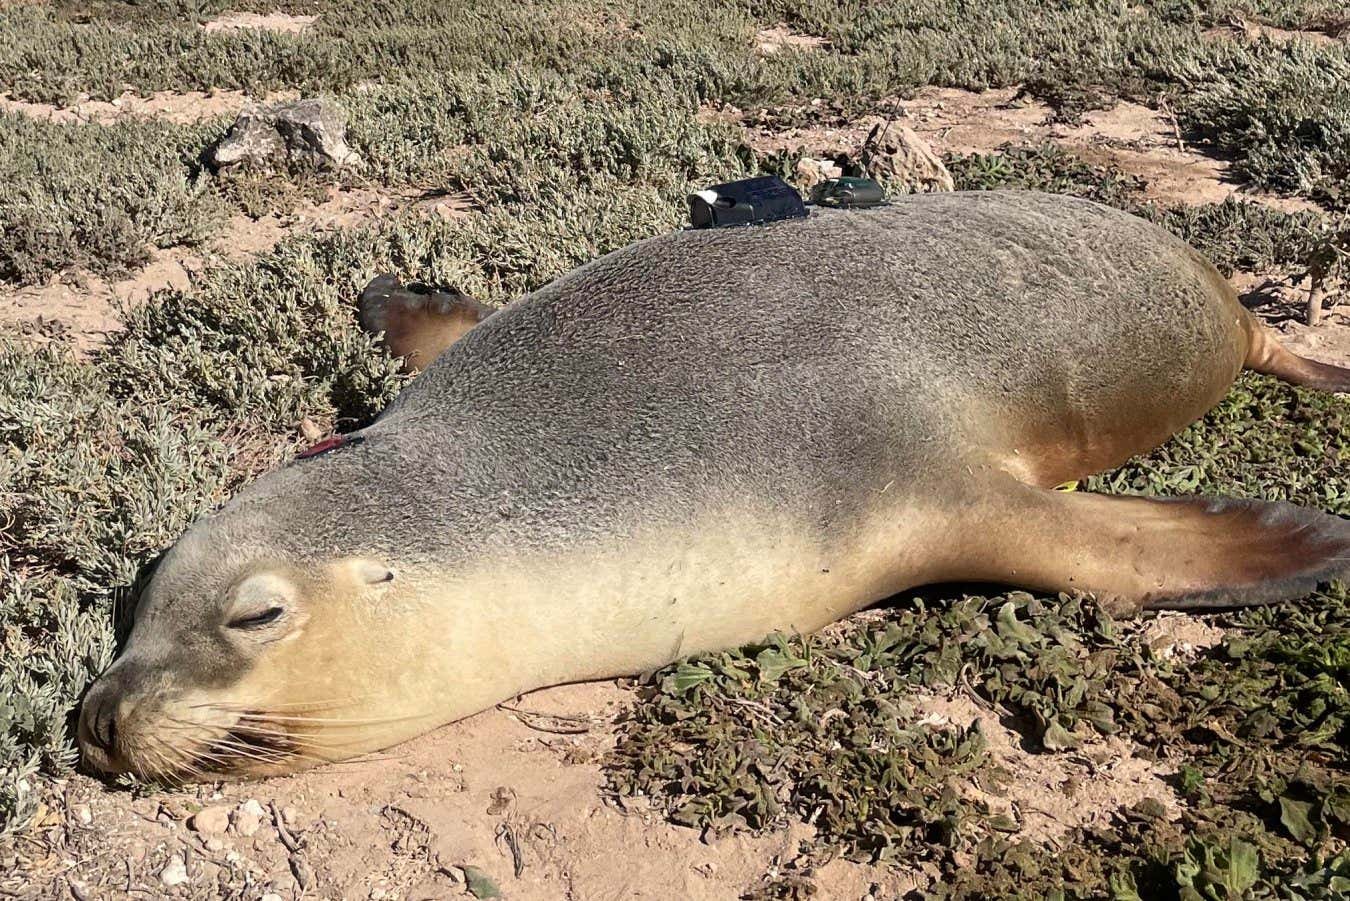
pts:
[98, 728]
[136, 719]
[238, 667]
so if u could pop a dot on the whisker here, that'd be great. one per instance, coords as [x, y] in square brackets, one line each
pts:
[234, 708]
[336, 721]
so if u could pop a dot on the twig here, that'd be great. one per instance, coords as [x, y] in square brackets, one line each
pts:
[562, 723]
[1176, 125]
[1315, 292]
[504, 831]
[282, 832]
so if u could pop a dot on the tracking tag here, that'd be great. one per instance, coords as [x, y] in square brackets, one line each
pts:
[764, 199]
[848, 192]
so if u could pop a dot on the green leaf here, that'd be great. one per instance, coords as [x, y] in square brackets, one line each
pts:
[1009, 627]
[1243, 867]
[1294, 816]
[773, 663]
[1057, 738]
[480, 885]
[1123, 887]
[688, 675]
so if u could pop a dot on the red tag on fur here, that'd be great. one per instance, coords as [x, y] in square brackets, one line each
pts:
[325, 445]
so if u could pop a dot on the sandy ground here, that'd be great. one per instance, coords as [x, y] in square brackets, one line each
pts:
[82, 309]
[274, 21]
[183, 108]
[521, 804]
[515, 798]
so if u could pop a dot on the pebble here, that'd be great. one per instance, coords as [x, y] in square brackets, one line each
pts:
[174, 872]
[210, 820]
[83, 814]
[214, 845]
[248, 817]
[272, 896]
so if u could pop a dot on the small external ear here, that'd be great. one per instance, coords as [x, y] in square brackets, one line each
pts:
[370, 572]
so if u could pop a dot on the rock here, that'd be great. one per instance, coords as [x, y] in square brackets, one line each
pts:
[174, 872]
[271, 896]
[896, 154]
[811, 172]
[246, 824]
[310, 133]
[302, 871]
[83, 814]
[247, 818]
[214, 845]
[808, 174]
[210, 820]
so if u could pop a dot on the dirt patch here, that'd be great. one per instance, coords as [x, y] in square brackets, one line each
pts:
[275, 21]
[171, 106]
[1283, 306]
[1134, 138]
[524, 808]
[82, 310]
[1050, 794]
[769, 41]
[1179, 635]
[1333, 33]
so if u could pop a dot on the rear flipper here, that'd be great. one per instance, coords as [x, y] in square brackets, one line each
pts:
[418, 321]
[1142, 553]
[1268, 356]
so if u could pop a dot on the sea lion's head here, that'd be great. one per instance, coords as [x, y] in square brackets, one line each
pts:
[246, 658]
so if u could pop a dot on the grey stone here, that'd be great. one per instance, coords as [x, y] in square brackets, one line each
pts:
[310, 133]
[896, 154]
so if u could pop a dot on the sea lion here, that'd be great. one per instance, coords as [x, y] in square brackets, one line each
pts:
[699, 439]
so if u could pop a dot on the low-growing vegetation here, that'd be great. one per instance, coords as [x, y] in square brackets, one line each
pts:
[97, 198]
[435, 88]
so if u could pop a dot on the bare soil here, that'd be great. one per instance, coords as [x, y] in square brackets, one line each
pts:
[525, 807]
[769, 41]
[183, 108]
[81, 309]
[1136, 139]
[1335, 30]
[273, 21]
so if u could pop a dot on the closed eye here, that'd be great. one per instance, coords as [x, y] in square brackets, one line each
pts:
[253, 621]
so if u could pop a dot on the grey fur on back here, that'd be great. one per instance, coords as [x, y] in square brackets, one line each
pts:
[800, 366]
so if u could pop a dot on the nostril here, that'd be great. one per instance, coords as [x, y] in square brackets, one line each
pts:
[102, 725]
[105, 727]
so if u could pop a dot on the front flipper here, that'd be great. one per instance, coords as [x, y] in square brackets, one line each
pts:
[1138, 553]
[418, 321]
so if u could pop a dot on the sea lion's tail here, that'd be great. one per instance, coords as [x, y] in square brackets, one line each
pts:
[1266, 355]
